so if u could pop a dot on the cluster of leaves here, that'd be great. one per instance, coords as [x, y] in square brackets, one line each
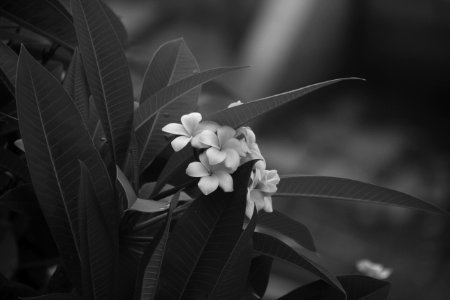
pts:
[91, 150]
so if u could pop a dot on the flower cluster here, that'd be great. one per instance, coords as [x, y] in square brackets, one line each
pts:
[221, 151]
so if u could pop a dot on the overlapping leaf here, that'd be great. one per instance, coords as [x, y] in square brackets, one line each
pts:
[8, 65]
[357, 288]
[107, 73]
[172, 62]
[270, 246]
[97, 248]
[259, 274]
[342, 189]
[13, 163]
[21, 199]
[288, 227]
[198, 234]
[55, 139]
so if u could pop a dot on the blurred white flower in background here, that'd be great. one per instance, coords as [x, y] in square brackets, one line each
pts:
[372, 269]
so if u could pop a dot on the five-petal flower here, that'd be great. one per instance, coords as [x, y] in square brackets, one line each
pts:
[263, 185]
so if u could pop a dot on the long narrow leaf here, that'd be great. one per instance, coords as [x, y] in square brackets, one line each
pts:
[258, 277]
[55, 139]
[239, 115]
[333, 188]
[172, 62]
[107, 73]
[191, 236]
[8, 66]
[270, 246]
[167, 95]
[288, 227]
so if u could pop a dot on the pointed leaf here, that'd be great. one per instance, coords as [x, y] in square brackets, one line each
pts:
[288, 227]
[167, 95]
[98, 249]
[270, 246]
[259, 274]
[12, 163]
[127, 188]
[55, 138]
[172, 62]
[76, 85]
[151, 261]
[56, 296]
[239, 115]
[107, 73]
[8, 63]
[193, 236]
[357, 288]
[333, 188]
[147, 205]
[117, 24]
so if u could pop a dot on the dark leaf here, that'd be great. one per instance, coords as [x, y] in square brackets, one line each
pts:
[259, 274]
[172, 62]
[55, 139]
[76, 85]
[288, 227]
[8, 66]
[56, 296]
[270, 246]
[117, 24]
[107, 72]
[200, 232]
[22, 200]
[357, 288]
[239, 115]
[10, 290]
[14, 164]
[333, 188]
[98, 250]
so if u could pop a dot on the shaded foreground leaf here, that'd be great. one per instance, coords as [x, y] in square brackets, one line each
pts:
[97, 248]
[288, 227]
[56, 296]
[8, 66]
[357, 287]
[13, 163]
[55, 139]
[270, 246]
[193, 233]
[22, 199]
[259, 274]
[334, 188]
[107, 72]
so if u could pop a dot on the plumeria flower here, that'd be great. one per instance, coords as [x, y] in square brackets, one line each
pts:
[249, 145]
[372, 269]
[188, 131]
[224, 147]
[212, 176]
[233, 104]
[263, 185]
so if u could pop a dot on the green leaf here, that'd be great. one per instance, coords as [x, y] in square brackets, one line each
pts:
[149, 206]
[22, 200]
[172, 62]
[98, 249]
[270, 246]
[211, 223]
[76, 85]
[107, 73]
[239, 115]
[357, 288]
[13, 163]
[288, 227]
[127, 188]
[232, 278]
[47, 17]
[117, 24]
[259, 274]
[167, 95]
[8, 66]
[149, 273]
[55, 139]
[333, 188]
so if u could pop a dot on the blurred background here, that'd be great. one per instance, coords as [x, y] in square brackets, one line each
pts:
[391, 130]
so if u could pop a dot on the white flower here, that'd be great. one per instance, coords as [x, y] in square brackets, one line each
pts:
[263, 185]
[233, 104]
[372, 269]
[188, 130]
[212, 176]
[224, 147]
[249, 145]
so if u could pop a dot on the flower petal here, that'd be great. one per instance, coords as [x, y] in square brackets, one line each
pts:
[234, 144]
[232, 159]
[208, 184]
[180, 142]
[233, 104]
[207, 125]
[215, 156]
[224, 133]
[257, 197]
[225, 181]
[208, 137]
[175, 128]
[249, 208]
[268, 204]
[196, 169]
[191, 121]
